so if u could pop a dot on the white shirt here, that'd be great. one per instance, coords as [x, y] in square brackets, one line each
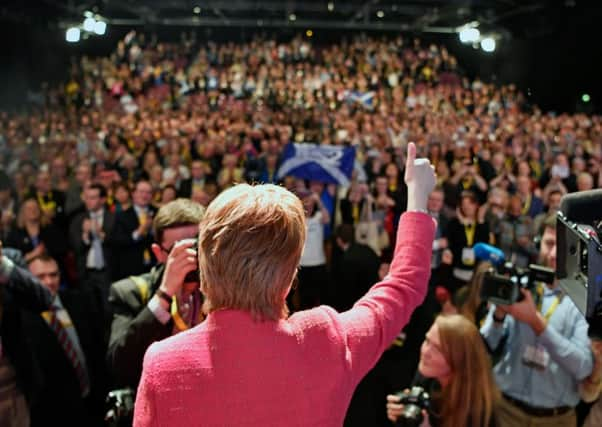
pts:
[313, 252]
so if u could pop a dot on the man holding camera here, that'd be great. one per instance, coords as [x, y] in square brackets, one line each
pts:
[545, 351]
[160, 303]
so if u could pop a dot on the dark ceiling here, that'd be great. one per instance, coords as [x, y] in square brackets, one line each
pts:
[551, 49]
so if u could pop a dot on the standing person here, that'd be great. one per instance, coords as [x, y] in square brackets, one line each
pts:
[68, 342]
[132, 234]
[455, 370]
[143, 306]
[21, 377]
[88, 235]
[301, 369]
[545, 351]
[313, 274]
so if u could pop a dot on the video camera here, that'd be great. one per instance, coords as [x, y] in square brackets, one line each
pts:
[579, 254]
[502, 283]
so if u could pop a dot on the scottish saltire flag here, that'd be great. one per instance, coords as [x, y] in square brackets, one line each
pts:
[325, 163]
[365, 99]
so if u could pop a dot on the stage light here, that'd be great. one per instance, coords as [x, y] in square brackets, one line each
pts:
[585, 97]
[469, 35]
[100, 27]
[72, 35]
[309, 33]
[196, 10]
[89, 24]
[380, 14]
[330, 6]
[488, 44]
[292, 17]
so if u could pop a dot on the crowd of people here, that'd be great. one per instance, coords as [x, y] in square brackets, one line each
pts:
[104, 183]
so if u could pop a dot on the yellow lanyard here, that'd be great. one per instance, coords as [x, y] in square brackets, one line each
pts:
[355, 213]
[527, 205]
[177, 319]
[469, 231]
[46, 206]
[552, 307]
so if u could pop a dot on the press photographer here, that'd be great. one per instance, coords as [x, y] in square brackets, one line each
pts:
[157, 304]
[544, 347]
[455, 387]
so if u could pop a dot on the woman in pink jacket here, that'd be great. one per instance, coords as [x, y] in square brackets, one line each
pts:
[248, 363]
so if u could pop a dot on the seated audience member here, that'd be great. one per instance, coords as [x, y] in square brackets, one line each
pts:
[160, 303]
[304, 367]
[544, 351]
[455, 370]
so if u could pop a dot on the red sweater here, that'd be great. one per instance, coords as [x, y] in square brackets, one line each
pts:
[300, 371]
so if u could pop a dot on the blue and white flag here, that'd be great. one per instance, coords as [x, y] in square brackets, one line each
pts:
[365, 99]
[325, 163]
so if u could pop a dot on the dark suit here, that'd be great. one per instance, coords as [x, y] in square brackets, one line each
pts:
[60, 401]
[134, 327]
[355, 273]
[50, 235]
[128, 254]
[186, 186]
[82, 248]
[21, 291]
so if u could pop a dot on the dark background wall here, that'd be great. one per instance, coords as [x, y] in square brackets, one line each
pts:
[553, 67]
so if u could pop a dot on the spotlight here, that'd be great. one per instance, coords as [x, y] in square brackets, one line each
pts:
[469, 35]
[292, 17]
[196, 10]
[585, 97]
[330, 6]
[89, 24]
[380, 14]
[72, 35]
[309, 33]
[100, 27]
[488, 44]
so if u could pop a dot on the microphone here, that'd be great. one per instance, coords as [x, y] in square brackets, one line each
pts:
[485, 252]
[583, 207]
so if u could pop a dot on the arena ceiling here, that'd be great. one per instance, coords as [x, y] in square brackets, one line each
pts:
[510, 18]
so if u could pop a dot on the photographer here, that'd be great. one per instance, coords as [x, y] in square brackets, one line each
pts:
[544, 351]
[457, 375]
[155, 305]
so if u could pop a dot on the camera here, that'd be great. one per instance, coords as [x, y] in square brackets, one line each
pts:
[194, 276]
[413, 401]
[502, 284]
[579, 257]
[120, 405]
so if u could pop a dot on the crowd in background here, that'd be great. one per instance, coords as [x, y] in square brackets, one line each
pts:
[156, 121]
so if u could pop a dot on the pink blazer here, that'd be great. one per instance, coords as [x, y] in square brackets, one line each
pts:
[300, 371]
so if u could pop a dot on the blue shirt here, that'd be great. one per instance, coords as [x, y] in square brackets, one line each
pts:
[564, 339]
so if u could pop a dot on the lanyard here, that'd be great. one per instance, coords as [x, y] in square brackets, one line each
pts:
[527, 205]
[469, 231]
[178, 321]
[552, 308]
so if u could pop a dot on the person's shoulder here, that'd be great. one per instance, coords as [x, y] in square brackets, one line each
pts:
[173, 351]
[315, 320]
[132, 285]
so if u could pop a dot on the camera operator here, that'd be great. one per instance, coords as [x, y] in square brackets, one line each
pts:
[455, 371]
[545, 351]
[160, 303]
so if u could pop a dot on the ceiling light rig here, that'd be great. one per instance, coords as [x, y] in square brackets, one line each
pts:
[92, 24]
[469, 33]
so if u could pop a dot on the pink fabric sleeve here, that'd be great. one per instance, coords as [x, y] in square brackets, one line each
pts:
[376, 319]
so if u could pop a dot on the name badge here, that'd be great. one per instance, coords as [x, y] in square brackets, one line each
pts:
[536, 357]
[468, 257]
[64, 318]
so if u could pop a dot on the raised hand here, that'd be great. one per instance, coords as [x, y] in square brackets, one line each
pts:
[420, 179]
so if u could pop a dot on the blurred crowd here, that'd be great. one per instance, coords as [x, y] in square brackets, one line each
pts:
[83, 174]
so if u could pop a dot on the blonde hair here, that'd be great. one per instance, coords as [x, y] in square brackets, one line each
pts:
[250, 244]
[471, 396]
